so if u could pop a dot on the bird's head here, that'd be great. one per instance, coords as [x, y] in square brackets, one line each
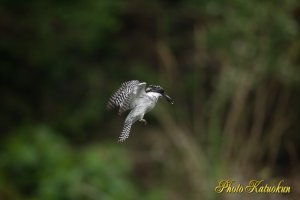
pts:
[158, 89]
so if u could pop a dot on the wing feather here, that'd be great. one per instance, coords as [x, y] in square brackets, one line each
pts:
[123, 97]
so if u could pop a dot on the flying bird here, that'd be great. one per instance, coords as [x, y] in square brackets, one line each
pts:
[137, 97]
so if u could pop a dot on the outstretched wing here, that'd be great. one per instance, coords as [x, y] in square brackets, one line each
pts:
[123, 97]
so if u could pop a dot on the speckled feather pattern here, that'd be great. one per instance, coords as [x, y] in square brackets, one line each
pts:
[123, 96]
[132, 96]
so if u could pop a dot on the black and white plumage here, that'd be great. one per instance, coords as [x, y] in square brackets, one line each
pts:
[135, 96]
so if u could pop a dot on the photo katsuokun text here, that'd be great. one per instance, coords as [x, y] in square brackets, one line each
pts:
[253, 186]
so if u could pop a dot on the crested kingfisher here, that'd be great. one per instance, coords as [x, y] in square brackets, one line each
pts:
[137, 97]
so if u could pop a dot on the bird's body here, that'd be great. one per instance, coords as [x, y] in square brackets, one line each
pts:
[138, 98]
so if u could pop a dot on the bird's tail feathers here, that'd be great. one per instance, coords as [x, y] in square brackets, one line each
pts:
[126, 131]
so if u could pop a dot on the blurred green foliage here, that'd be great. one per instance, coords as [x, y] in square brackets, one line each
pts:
[232, 67]
[39, 164]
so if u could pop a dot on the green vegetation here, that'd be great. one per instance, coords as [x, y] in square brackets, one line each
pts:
[232, 68]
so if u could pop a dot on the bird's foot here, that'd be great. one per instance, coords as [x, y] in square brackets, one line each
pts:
[143, 120]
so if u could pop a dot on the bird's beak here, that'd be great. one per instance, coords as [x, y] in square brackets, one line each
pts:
[169, 99]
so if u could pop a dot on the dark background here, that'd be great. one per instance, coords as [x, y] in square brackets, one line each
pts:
[231, 66]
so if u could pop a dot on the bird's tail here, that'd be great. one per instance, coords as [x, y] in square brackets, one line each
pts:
[126, 131]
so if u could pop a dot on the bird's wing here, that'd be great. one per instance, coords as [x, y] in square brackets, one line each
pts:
[141, 89]
[125, 94]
